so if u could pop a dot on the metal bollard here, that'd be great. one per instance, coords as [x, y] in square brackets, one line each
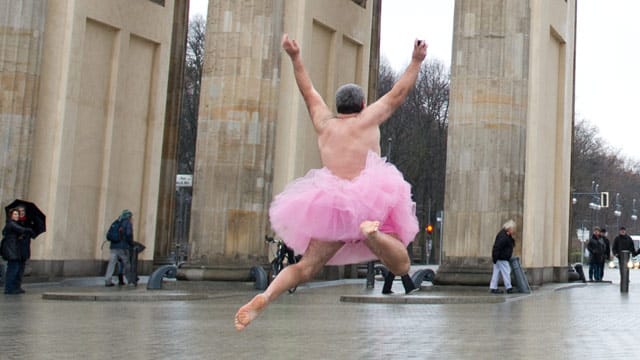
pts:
[371, 275]
[521, 278]
[624, 271]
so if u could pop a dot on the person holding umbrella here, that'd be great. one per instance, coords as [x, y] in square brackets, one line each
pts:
[12, 250]
[31, 218]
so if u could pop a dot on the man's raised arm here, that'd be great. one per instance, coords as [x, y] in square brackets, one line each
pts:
[384, 107]
[318, 109]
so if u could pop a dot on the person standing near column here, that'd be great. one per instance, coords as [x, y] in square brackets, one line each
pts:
[502, 252]
[607, 251]
[120, 250]
[596, 248]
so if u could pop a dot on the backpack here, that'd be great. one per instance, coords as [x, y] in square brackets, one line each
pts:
[113, 234]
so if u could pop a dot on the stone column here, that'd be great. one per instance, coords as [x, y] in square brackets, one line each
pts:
[238, 106]
[165, 242]
[509, 126]
[21, 28]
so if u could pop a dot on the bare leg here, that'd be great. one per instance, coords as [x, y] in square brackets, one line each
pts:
[387, 248]
[316, 256]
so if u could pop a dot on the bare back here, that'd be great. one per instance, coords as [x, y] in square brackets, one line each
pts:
[344, 142]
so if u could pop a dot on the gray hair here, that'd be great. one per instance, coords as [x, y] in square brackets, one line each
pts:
[509, 225]
[349, 99]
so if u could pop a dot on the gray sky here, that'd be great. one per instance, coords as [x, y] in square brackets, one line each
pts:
[606, 60]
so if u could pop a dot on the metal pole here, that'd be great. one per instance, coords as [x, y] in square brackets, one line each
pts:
[371, 280]
[624, 271]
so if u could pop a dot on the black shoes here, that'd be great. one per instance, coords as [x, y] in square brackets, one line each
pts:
[109, 284]
[510, 290]
[388, 282]
[407, 283]
[409, 286]
[121, 280]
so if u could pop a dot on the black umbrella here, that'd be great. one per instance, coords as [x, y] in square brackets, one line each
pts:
[36, 219]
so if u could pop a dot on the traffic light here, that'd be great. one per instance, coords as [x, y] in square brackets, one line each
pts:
[604, 199]
[429, 229]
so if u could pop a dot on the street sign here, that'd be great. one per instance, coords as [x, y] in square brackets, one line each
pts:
[184, 180]
[583, 234]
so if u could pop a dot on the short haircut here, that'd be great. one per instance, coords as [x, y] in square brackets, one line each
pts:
[349, 99]
[509, 225]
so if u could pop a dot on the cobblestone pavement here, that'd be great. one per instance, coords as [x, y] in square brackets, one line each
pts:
[558, 321]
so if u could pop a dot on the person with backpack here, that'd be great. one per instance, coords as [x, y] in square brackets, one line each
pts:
[120, 237]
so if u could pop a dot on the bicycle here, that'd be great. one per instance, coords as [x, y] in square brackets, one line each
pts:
[283, 257]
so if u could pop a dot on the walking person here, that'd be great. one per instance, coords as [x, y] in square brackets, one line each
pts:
[357, 207]
[12, 250]
[623, 242]
[596, 249]
[119, 250]
[501, 254]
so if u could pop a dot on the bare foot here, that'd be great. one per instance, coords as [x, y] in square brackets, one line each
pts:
[250, 311]
[369, 228]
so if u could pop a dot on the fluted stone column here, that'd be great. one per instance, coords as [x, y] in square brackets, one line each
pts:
[508, 154]
[21, 27]
[238, 105]
[165, 228]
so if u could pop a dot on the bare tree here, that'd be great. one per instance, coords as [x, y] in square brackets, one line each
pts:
[415, 137]
[191, 94]
[593, 163]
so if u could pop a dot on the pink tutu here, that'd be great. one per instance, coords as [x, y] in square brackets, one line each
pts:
[325, 207]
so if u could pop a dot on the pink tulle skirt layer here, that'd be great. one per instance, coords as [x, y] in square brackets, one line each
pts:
[325, 207]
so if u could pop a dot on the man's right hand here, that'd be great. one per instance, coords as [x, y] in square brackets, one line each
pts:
[290, 46]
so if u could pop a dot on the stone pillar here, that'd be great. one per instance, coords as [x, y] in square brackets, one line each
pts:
[508, 154]
[21, 34]
[238, 107]
[165, 226]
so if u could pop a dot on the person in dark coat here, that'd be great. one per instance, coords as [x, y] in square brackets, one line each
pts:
[120, 250]
[623, 242]
[501, 254]
[607, 251]
[596, 249]
[12, 250]
[25, 244]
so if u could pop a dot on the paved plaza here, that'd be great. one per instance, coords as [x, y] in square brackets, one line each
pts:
[81, 319]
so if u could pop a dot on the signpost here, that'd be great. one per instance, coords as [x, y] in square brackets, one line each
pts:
[583, 236]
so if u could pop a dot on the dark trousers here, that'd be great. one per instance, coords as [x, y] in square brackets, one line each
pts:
[13, 280]
[597, 270]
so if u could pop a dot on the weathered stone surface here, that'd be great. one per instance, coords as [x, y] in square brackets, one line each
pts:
[506, 156]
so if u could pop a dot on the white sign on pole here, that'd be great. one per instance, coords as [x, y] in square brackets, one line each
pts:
[583, 234]
[184, 180]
